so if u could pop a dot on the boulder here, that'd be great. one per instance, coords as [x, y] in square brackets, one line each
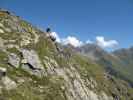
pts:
[31, 57]
[32, 71]
[14, 60]
[31, 62]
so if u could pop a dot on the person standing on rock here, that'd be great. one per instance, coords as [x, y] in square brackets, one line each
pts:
[50, 35]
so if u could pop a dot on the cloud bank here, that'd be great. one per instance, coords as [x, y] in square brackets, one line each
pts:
[73, 41]
[68, 40]
[100, 41]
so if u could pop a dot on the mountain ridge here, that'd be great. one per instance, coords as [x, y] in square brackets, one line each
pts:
[119, 57]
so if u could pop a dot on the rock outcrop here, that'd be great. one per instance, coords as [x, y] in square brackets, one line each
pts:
[31, 62]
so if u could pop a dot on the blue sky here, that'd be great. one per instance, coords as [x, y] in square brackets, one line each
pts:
[84, 19]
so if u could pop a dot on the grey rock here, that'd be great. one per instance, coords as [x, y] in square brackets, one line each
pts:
[32, 58]
[32, 63]
[8, 83]
[14, 60]
[36, 72]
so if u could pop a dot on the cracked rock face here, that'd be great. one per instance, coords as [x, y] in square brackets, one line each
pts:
[32, 63]
[32, 58]
[36, 72]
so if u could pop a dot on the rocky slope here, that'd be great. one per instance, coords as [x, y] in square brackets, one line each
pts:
[34, 67]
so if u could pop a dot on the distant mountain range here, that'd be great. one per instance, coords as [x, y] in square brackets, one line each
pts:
[118, 63]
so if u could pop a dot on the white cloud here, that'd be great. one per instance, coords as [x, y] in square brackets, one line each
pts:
[69, 40]
[89, 42]
[100, 41]
[54, 34]
[73, 41]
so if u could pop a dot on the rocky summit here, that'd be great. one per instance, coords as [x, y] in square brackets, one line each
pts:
[34, 67]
